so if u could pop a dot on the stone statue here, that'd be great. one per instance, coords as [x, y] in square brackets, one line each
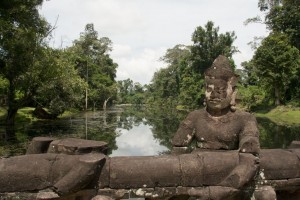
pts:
[219, 126]
[224, 165]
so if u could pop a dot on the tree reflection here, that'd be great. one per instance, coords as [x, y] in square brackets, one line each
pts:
[105, 126]
[273, 135]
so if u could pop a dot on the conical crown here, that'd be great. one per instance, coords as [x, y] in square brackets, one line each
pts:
[221, 69]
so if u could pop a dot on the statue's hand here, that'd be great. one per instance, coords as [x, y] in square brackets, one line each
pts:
[179, 150]
[249, 144]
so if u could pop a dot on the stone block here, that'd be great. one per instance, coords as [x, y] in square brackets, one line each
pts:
[192, 170]
[25, 173]
[144, 171]
[75, 146]
[218, 165]
[104, 175]
[39, 145]
[279, 164]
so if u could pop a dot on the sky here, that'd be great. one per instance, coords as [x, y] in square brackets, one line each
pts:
[138, 141]
[142, 30]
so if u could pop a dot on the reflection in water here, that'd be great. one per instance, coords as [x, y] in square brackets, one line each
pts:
[276, 136]
[138, 141]
[128, 131]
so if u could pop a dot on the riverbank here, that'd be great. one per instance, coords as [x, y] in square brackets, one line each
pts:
[25, 115]
[281, 115]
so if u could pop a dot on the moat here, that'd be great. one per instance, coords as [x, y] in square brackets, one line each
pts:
[129, 131]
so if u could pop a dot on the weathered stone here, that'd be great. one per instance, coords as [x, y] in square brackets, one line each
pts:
[237, 177]
[288, 195]
[202, 192]
[192, 170]
[213, 173]
[146, 171]
[47, 195]
[265, 193]
[115, 193]
[39, 145]
[223, 193]
[64, 173]
[101, 197]
[294, 145]
[104, 175]
[80, 174]
[77, 146]
[18, 196]
[25, 173]
[279, 164]
[285, 184]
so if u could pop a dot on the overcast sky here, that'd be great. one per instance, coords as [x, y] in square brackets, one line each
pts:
[142, 30]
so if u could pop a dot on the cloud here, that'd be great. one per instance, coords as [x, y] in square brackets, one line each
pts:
[138, 141]
[139, 66]
[142, 30]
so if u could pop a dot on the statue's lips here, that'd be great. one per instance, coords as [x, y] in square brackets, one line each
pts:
[215, 100]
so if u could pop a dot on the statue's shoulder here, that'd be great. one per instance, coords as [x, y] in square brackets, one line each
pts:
[244, 115]
[197, 113]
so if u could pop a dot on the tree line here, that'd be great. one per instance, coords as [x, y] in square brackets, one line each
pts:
[271, 77]
[83, 75]
[34, 74]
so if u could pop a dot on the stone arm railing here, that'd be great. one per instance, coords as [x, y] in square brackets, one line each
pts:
[73, 168]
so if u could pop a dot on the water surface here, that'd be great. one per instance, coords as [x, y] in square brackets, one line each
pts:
[129, 131]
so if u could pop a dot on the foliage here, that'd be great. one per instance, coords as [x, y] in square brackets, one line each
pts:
[95, 65]
[282, 19]
[208, 44]
[131, 93]
[64, 88]
[166, 83]
[251, 96]
[276, 63]
[282, 115]
[268, 4]
[22, 31]
[286, 18]
[182, 81]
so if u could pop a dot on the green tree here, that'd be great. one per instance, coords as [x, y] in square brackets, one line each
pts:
[182, 81]
[95, 66]
[268, 4]
[125, 90]
[59, 86]
[22, 31]
[285, 18]
[276, 63]
[209, 44]
[167, 81]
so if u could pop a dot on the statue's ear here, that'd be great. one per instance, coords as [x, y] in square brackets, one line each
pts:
[233, 80]
[233, 96]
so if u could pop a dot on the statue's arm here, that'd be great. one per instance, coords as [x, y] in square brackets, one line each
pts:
[249, 137]
[184, 136]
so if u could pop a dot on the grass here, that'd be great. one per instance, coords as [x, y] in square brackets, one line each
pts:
[2, 112]
[282, 115]
[68, 113]
[25, 114]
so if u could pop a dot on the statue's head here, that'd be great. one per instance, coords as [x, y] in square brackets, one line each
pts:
[220, 85]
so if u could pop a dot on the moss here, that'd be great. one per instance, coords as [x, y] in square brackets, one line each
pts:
[282, 115]
[68, 113]
[25, 115]
[2, 112]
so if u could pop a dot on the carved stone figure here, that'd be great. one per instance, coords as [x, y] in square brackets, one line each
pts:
[219, 126]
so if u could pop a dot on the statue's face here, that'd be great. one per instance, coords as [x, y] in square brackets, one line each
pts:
[218, 94]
